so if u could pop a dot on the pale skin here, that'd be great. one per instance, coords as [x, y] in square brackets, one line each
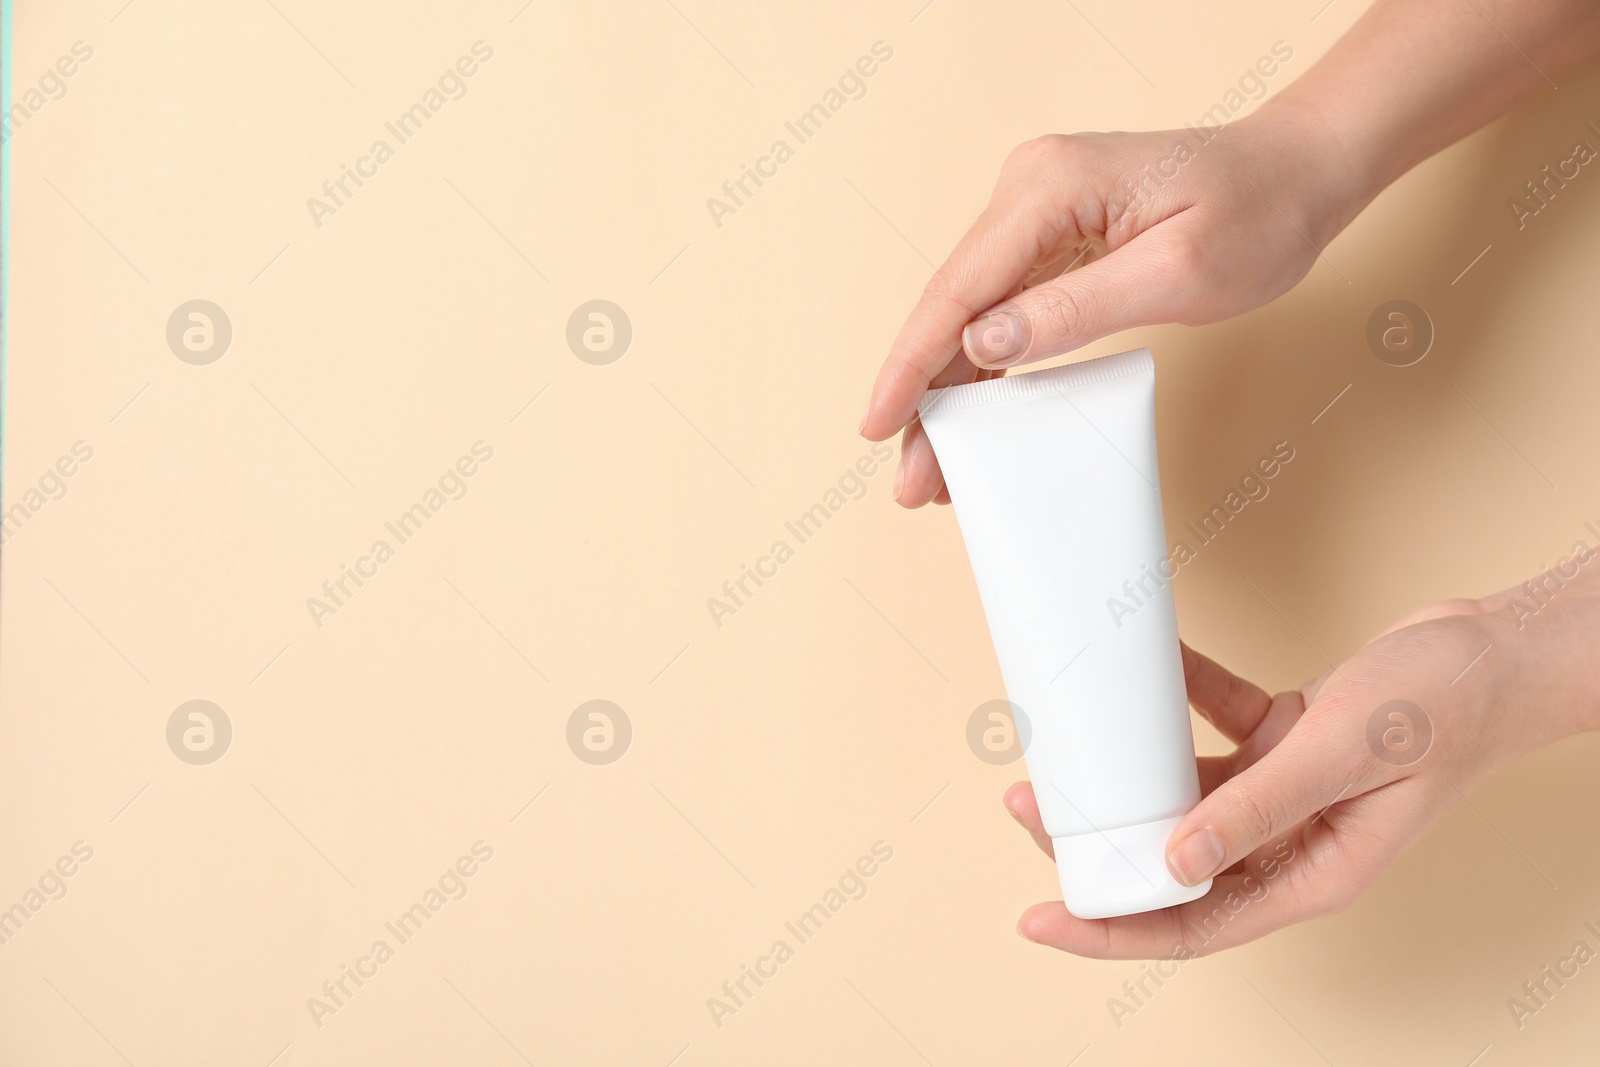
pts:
[1236, 226]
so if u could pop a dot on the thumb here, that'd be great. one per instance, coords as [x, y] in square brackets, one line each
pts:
[1301, 778]
[1149, 280]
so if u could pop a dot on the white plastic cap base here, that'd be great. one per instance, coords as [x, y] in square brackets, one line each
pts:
[1121, 872]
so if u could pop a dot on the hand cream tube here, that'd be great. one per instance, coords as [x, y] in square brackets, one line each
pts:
[1054, 480]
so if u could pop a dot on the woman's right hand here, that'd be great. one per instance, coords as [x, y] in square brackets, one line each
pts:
[1330, 783]
[1089, 234]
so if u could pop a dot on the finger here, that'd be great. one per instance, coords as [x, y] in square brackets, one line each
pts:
[1024, 807]
[1149, 280]
[1067, 256]
[918, 479]
[988, 264]
[1316, 765]
[1231, 704]
[1213, 771]
[1298, 877]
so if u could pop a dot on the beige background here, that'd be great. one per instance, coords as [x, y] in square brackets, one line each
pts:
[829, 713]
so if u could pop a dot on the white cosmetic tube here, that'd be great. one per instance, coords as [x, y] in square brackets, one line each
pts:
[1055, 485]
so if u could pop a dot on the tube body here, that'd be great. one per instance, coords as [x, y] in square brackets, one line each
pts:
[1055, 485]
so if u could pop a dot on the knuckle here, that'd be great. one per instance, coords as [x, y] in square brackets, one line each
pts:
[945, 290]
[1462, 606]
[1066, 310]
[939, 286]
[1051, 150]
[1256, 816]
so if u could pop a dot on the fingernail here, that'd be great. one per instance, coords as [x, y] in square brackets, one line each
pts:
[1017, 817]
[862, 429]
[999, 339]
[899, 479]
[1196, 857]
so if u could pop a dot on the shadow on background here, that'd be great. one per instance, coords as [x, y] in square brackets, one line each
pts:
[1403, 493]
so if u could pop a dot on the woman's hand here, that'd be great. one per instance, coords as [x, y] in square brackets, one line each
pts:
[1329, 784]
[1148, 228]
[1195, 230]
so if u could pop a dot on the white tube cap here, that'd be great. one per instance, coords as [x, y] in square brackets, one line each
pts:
[1121, 872]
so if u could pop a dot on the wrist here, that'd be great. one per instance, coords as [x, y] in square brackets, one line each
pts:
[1306, 152]
[1548, 630]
